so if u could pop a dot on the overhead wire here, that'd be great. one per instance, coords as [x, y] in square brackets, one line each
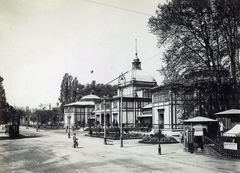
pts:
[152, 57]
[119, 8]
[128, 71]
[116, 78]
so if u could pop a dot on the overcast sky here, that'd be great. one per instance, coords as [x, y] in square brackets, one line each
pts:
[41, 40]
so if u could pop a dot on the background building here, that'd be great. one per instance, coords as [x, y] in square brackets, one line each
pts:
[166, 110]
[81, 112]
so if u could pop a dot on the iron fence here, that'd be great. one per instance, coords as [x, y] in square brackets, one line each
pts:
[218, 146]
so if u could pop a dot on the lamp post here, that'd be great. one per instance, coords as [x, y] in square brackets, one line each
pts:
[37, 124]
[28, 122]
[27, 111]
[37, 118]
[69, 118]
[159, 137]
[105, 138]
[135, 107]
[121, 120]
[121, 82]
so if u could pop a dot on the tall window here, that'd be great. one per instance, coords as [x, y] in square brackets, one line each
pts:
[108, 105]
[97, 106]
[124, 104]
[130, 104]
[155, 98]
[115, 104]
[161, 114]
[66, 110]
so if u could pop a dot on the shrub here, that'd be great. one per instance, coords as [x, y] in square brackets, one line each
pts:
[168, 139]
[146, 138]
[155, 139]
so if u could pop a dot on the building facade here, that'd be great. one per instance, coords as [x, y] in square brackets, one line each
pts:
[141, 100]
[166, 109]
[81, 112]
[133, 94]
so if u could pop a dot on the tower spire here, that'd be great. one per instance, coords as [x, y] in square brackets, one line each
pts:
[136, 47]
[136, 64]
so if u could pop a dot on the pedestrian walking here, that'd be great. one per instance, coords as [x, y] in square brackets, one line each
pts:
[181, 137]
[66, 128]
[75, 143]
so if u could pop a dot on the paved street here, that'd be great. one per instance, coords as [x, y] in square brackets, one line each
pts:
[52, 151]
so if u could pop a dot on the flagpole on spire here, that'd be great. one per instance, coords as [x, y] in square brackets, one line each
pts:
[136, 46]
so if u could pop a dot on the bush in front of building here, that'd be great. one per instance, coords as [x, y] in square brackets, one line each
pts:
[112, 133]
[153, 139]
[146, 138]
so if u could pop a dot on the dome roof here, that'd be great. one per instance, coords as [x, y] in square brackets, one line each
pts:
[90, 97]
[81, 103]
[139, 75]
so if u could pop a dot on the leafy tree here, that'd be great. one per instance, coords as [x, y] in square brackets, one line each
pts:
[4, 106]
[28, 114]
[229, 20]
[44, 116]
[72, 90]
[105, 90]
[66, 89]
[90, 88]
[20, 112]
[57, 115]
[80, 91]
[201, 39]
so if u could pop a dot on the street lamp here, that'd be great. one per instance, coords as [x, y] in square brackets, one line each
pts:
[135, 106]
[27, 111]
[159, 137]
[37, 123]
[69, 118]
[121, 120]
[104, 102]
[38, 118]
[121, 82]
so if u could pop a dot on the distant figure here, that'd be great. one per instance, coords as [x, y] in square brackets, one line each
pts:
[75, 143]
[66, 128]
[90, 132]
[221, 127]
[181, 137]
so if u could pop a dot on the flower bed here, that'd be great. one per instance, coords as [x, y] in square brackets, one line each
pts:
[155, 140]
[112, 133]
[115, 136]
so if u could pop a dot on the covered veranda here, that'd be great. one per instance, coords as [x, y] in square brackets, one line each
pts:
[229, 118]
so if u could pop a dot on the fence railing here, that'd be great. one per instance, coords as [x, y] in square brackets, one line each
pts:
[220, 149]
[221, 139]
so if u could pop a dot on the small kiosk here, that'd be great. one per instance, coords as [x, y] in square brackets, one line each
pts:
[193, 131]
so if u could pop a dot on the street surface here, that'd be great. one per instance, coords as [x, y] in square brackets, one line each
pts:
[52, 151]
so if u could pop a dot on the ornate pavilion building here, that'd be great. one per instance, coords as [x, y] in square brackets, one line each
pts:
[133, 94]
[81, 112]
[142, 102]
